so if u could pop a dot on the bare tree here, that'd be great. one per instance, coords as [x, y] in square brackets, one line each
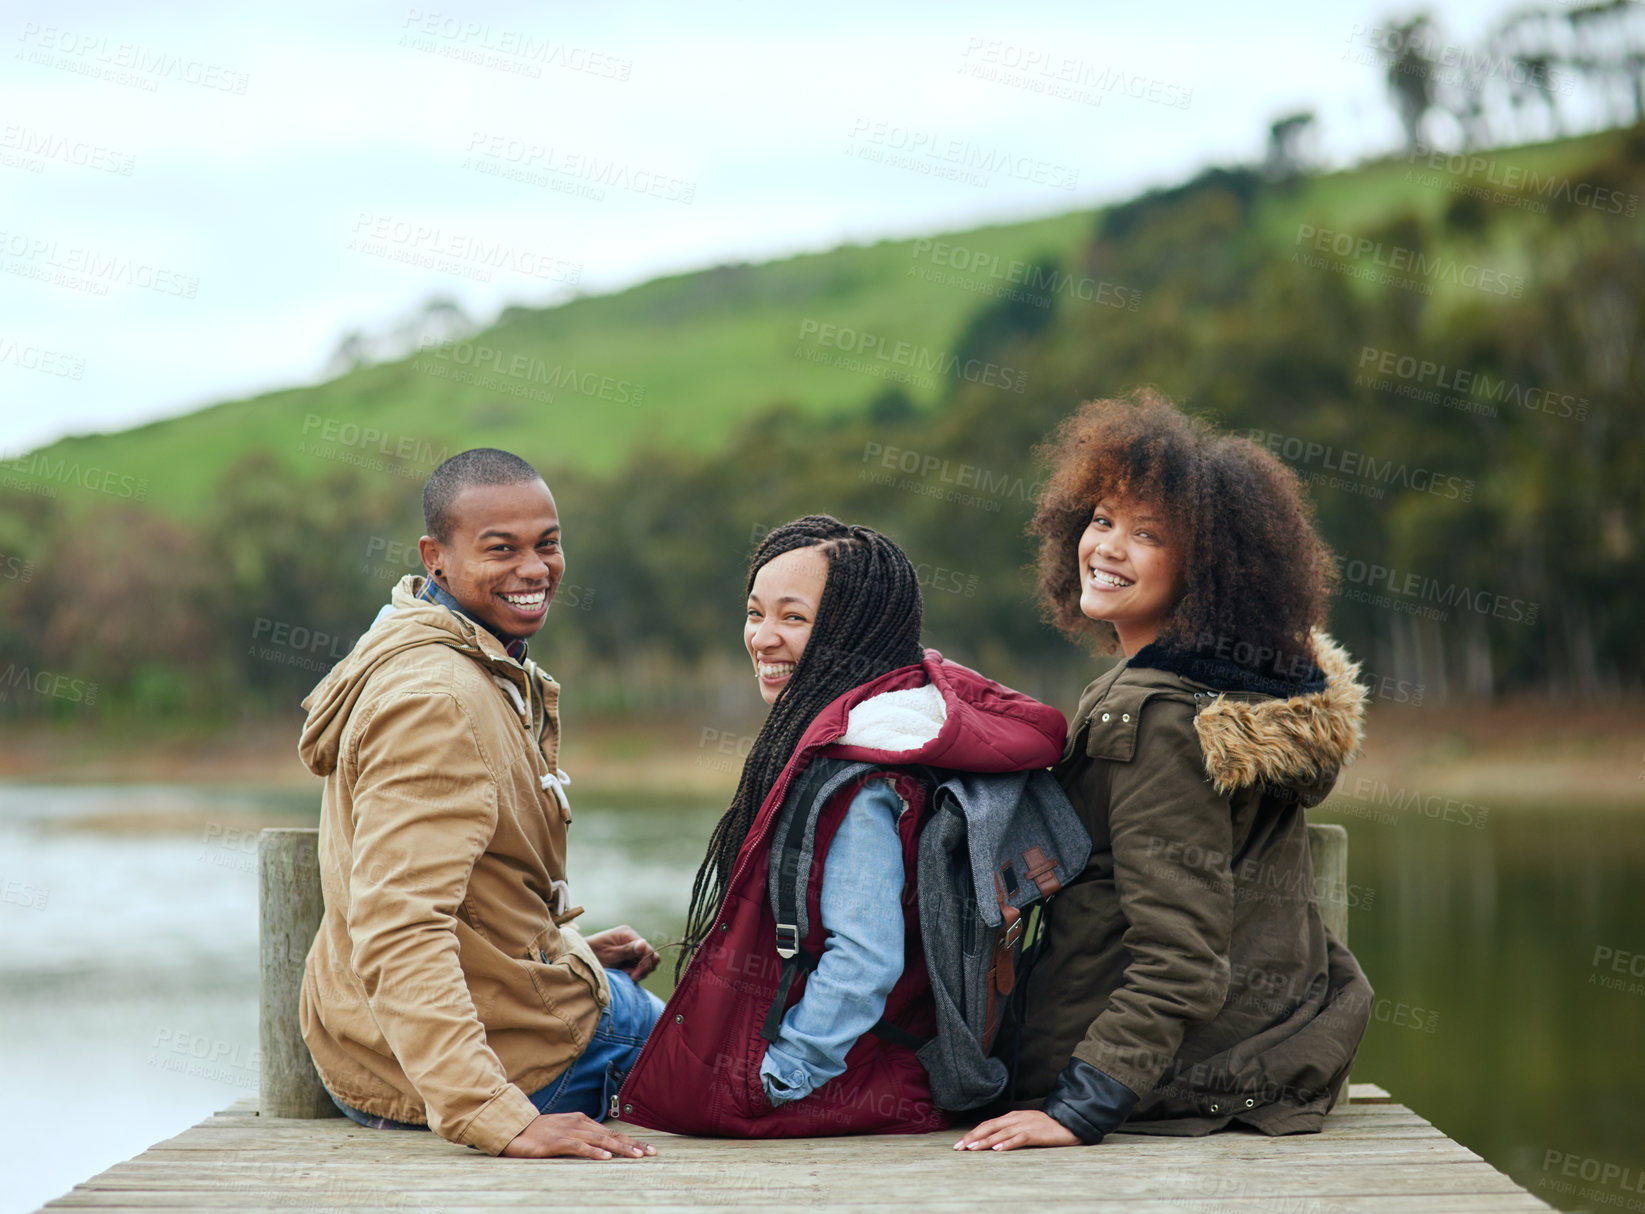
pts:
[350, 355]
[1410, 73]
[1608, 50]
[1290, 145]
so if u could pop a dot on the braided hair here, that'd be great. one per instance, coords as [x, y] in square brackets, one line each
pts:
[868, 624]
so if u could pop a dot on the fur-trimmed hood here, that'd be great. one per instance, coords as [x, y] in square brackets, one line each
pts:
[1297, 740]
[1253, 729]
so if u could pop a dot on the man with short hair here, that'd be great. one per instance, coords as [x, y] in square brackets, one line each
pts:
[447, 987]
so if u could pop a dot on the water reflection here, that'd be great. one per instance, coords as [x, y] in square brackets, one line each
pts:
[128, 955]
[1523, 1052]
[128, 968]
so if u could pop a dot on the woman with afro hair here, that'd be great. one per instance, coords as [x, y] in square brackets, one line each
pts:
[1185, 982]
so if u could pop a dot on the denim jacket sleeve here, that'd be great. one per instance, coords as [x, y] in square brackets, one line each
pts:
[862, 960]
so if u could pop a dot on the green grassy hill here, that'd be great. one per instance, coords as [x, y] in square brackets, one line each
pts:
[677, 362]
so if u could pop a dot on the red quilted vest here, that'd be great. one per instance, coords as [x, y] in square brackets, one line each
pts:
[699, 1071]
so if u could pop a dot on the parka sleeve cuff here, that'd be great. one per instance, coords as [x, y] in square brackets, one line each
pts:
[500, 1120]
[1088, 1102]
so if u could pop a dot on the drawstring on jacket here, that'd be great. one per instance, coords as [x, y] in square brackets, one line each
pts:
[555, 783]
[513, 694]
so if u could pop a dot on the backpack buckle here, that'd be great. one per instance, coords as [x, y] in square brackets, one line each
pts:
[1014, 920]
[788, 940]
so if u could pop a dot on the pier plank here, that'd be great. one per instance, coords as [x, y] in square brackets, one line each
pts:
[840, 1194]
[1374, 1157]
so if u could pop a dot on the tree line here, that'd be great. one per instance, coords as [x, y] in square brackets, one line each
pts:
[1474, 445]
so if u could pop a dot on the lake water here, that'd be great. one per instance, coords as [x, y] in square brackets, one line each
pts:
[1507, 958]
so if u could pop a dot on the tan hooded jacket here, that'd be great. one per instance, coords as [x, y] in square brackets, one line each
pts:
[446, 981]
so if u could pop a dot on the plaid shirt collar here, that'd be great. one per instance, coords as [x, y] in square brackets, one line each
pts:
[433, 592]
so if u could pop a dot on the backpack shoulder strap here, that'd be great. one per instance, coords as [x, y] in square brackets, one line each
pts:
[793, 851]
[794, 842]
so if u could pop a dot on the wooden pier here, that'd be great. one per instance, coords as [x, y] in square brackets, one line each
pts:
[291, 1150]
[1373, 1156]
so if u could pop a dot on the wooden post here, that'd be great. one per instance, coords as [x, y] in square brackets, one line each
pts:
[1328, 846]
[289, 909]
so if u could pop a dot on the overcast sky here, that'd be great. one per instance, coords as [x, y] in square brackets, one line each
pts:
[200, 200]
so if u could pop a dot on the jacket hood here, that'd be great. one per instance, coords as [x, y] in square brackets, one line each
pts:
[939, 714]
[896, 720]
[1300, 741]
[406, 623]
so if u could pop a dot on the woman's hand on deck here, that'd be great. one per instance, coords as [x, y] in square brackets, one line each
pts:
[623, 948]
[554, 1134]
[1018, 1128]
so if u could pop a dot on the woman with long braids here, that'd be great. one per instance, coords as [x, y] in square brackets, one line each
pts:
[804, 1020]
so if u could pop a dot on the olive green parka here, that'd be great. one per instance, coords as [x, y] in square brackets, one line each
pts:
[1188, 961]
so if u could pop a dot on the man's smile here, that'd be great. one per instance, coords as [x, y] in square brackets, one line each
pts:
[531, 604]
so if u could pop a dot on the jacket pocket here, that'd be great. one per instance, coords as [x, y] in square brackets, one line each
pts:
[754, 1102]
[757, 1103]
[562, 976]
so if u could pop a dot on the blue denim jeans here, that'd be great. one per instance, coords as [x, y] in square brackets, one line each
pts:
[588, 1084]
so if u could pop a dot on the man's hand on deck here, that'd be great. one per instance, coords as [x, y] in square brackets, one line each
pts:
[623, 948]
[554, 1134]
[1019, 1128]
